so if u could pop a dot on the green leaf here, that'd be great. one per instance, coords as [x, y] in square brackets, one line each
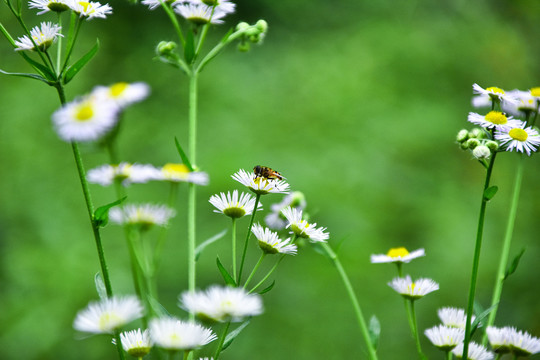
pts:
[30, 76]
[233, 334]
[100, 286]
[216, 50]
[189, 48]
[101, 215]
[72, 70]
[183, 155]
[480, 314]
[374, 331]
[45, 71]
[226, 276]
[203, 245]
[267, 289]
[158, 309]
[490, 192]
[513, 266]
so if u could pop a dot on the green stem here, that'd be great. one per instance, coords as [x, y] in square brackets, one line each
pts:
[119, 347]
[222, 340]
[267, 275]
[255, 268]
[476, 259]
[415, 332]
[170, 13]
[257, 199]
[77, 23]
[192, 195]
[503, 262]
[352, 296]
[233, 245]
[59, 43]
[448, 355]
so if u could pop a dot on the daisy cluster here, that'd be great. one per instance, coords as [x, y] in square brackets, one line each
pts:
[509, 126]
[198, 12]
[508, 339]
[95, 115]
[85, 9]
[451, 332]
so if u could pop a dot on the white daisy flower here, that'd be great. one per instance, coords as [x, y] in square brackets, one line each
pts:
[44, 36]
[453, 317]
[85, 119]
[493, 120]
[50, 5]
[124, 172]
[500, 339]
[180, 173]
[234, 206]
[493, 93]
[226, 6]
[475, 352]
[261, 185]
[108, 315]
[270, 243]
[136, 343]
[275, 220]
[91, 9]
[144, 215]
[152, 4]
[413, 290]
[525, 103]
[199, 13]
[122, 93]
[399, 255]
[220, 304]
[173, 334]
[523, 344]
[444, 337]
[302, 228]
[521, 138]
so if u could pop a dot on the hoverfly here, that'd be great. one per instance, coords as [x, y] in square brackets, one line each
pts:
[267, 173]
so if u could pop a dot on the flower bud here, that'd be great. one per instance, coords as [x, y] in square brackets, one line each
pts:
[492, 145]
[262, 26]
[462, 136]
[472, 143]
[481, 152]
[298, 199]
[242, 26]
[476, 133]
[243, 46]
[165, 47]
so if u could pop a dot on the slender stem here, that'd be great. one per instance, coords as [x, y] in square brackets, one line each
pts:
[71, 43]
[409, 316]
[255, 268]
[217, 49]
[352, 296]
[476, 259]
[503, 262]
[174, 21]
[118, 344]
[257, 199]
[59, 43]
[415, 332]
[192, 195]
[267, 275]
[448, 355]
[233, 245]
[222, 340]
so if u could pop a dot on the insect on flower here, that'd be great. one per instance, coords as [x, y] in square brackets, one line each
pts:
[267, 173]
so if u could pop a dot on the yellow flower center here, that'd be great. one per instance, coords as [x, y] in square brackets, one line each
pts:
[496, 117]
[397, 252]
[108, 321]
[518, 134]
[495, 90]
[85, 112]
[535, 91]
[84, 5]
[117, 89]
[175, 169]
[413, 285]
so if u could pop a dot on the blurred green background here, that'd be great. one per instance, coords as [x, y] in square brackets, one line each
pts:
[356, 103]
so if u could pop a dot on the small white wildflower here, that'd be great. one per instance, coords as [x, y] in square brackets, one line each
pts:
[398, 255]
[180, 173]
[108, 315]
[494, 93]
[199, 13]
[453, 317]
[44, 36]
[91, 9]
[261, 185]
[521, 139]
[234, 206]
[475, 352]
[125, 173]
[444, 337]
[270, 243]
[50, 5]
[413, 290]
[493, 120]
[302, 228]
[173, 334]
[144, 215]
[136, 343]
[122, 93]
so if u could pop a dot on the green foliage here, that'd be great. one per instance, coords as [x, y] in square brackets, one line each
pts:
[514, 264]
[72, 70]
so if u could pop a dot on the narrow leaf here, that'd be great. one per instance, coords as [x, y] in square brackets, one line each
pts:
[45, 71]
[30, 76]
[481, 314]
[100, 286]
[226, 276]
[233, 334]
[265, 290]
[72, 70]
[101, 215]
[490, 192]
[158, 309]
[215, 51]
[513, 266]
[183, 155]
[189, 48]
[203, 245]
[374, 331]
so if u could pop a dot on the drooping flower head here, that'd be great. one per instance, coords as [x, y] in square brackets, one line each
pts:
[493, 120]
[181, 173]
[123, 93]
[475, 352]
[136, 343]
[50, 5]
[397, 255]
[493, 93]
[261, 185]
[270, 243]
[124, 172]
[302, 228]
[108, 315]
[199, 13]
[509, 339]
[91, 9]
[275, 220]
[173, 334]
[453, 317]
[413, 290]
[44, 36]
[220, 304]
[144, 215]
[85, 119]
[444, 337]
[522, 139]
[234, 206]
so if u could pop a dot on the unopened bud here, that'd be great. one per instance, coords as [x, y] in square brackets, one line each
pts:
[243, 46]
[165, 47]
[472, 143]
[462, 136]
[492, 145]
[481, 152]
[242, 26]
[476, 133]
[262, 26]
[298, 199]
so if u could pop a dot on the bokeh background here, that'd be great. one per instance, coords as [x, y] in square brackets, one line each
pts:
[357, 103]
